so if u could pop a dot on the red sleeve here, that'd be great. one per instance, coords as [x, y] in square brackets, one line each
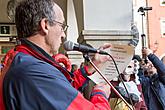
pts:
[141, 105]
[97, 102]
[80, 77]
[6, 64]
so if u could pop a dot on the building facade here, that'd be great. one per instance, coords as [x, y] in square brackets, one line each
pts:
[156, 26]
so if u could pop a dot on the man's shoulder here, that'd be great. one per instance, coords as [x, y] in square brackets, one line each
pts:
[30, 67]
[24, 63]
[21, 58]
[27, 60]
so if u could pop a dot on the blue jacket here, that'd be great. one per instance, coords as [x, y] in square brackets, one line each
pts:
[33, 83]
[154, 86]
[31, 79]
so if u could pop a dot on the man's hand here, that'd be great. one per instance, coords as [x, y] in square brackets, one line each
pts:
[103, 87]
[99, 59]
[147, 51]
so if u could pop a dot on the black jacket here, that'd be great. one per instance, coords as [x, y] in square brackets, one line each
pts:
[154, 86]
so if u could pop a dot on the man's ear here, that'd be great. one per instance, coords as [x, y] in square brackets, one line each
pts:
[44, 26]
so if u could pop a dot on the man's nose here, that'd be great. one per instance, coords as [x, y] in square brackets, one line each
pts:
[63, 36]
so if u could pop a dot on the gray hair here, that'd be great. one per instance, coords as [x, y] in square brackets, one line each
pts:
[29, 13]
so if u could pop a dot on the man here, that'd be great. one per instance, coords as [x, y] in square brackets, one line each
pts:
[32, 80]
[153, 85]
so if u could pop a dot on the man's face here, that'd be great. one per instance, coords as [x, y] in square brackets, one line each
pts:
[128, 71]
[151, 69]
[56, 33]
[130, 68]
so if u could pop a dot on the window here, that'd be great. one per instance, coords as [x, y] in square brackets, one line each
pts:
[162, 23]
[7, 29]
[162, 2]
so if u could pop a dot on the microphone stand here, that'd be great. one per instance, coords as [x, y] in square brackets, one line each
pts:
[143, 47]
[108, 82]
[143, 36]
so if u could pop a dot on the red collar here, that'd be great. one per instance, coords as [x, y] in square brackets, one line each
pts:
[27, 50]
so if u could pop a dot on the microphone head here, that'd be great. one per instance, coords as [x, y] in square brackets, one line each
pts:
[68, 45]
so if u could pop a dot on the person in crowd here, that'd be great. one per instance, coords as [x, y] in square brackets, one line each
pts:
[82, 64]
[32, 79]
[153, 84]
[74, 67]
[63, 61]
[133, 89]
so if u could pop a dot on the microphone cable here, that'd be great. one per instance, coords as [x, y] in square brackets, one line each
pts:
[89, 60]
[121, 79]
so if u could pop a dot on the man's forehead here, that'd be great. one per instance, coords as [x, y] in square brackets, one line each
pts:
[59, 13]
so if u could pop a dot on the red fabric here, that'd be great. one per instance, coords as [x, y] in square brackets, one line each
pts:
[60, 58]
[97, 102]
[27, 50]
[141, 105]
[86, 69]
[78, 78]
[6, 64]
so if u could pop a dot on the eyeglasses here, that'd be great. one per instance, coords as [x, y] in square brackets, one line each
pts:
[64, 26]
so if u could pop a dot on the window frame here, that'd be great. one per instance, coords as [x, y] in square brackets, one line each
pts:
[161, 2]
[162, 27]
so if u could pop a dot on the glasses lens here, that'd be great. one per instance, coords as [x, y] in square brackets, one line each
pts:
[64, 26]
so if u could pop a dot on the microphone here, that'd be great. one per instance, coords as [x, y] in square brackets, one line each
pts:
[70, 46]
[142, 9]
[147, 8]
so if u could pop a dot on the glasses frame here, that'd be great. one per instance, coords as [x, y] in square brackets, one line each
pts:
[63, 25]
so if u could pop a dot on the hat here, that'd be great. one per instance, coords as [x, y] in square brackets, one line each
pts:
[137, 57]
